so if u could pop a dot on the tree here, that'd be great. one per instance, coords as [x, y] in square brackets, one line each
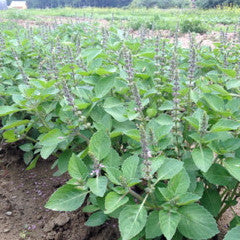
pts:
[215, 3]
[160, 3]
[77, 3]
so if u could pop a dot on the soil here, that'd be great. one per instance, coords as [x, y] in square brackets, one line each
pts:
[22, 213]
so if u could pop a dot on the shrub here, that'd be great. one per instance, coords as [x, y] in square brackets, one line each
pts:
[192, 26]
[215, 3]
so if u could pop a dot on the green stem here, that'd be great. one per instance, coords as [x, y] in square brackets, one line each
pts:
[43, 121]
[84, 137]
[31, 139]
[136, 195]
[231, 197]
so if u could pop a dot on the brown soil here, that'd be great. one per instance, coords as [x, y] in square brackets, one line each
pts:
[22, 213]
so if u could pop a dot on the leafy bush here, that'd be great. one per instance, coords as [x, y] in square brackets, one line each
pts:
[160, 3]
[192, 26]
[148, 131]
[17, 14]
[215, 3]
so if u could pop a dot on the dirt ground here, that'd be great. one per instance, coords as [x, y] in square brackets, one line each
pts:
[22, 213]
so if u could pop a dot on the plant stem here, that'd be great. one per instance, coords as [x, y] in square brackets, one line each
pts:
[136, 195]
[84, 137]
[232, 197]
[31, 139]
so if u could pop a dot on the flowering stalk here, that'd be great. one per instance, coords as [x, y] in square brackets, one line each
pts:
[191, 70]
[176, 99]
[80, 61]
[146, 153]
[223, 40]
[157, 79]
[71, 62]
[163, 56]
[70, 100]
[203, 125]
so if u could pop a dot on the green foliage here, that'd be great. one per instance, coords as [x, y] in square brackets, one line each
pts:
[215, 3]
[160, 3]
[132, 220]
[75, 3]
[193, 26]
[233, 234]
[140, 143]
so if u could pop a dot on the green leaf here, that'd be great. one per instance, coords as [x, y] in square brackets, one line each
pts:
[134, 134]
[187, 198]
[225, 125]
[112, 159]
[180, 183]
[66, 198]
[51, 138]
[6, 110]
[168, 223]
[98, 185]
[10, 136]
[230, 72]
[114, 175]
[196, 222]
[233, 234]
[215, 102]
[115, 108]
[77, 168]
[211, 200]
[27, 157]
[235, 222]
[114, 201]
[15, 124]
[132, 220]
[91, 54]
[167, 105]
[218, 175]
[96, 219]
[100, 144]
[104, 85]
[33, 163]
[130, 169]
[90, 208]
[193, 122]
[26, 147]
[233, 167]
[63, 160]
[153, 225]
[203, 158]
[169, 168]
[46, 151]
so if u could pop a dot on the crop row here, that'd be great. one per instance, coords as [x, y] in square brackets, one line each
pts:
[148, 130]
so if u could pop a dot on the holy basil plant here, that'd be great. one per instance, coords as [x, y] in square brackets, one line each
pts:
[147, 130]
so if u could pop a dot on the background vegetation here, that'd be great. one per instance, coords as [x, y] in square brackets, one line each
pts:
[132, 3]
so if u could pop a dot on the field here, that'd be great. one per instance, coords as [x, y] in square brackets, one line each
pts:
[120, 123]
